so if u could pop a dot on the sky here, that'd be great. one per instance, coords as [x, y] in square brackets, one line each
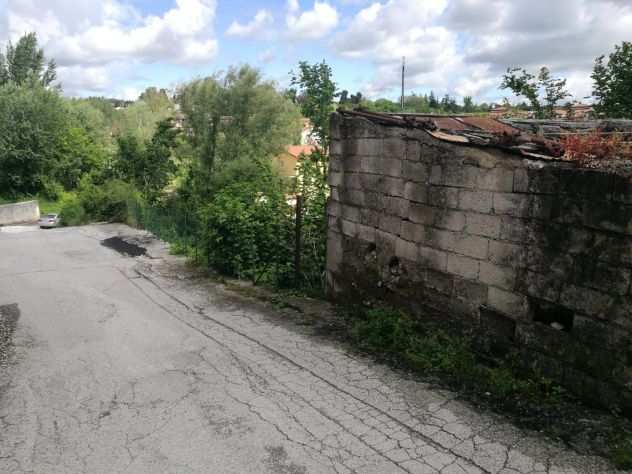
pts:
[117, 48]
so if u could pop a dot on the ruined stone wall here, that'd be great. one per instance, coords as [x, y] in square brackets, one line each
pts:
[536, 253]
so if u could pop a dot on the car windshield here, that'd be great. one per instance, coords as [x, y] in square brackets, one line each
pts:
[51, 216]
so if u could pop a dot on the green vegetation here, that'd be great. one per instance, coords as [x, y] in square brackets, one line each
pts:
[613, 83]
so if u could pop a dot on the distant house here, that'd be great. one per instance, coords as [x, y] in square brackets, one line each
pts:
[578, 112]
[286, 163]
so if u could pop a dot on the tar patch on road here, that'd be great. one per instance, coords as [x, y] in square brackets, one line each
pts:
[123, 247]
[9, 315]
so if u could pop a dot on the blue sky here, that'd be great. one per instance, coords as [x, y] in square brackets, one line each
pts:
[460, 47]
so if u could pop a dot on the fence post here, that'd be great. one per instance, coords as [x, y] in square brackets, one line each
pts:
[298, 237]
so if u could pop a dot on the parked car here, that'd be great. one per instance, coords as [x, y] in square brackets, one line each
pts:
[49, 221]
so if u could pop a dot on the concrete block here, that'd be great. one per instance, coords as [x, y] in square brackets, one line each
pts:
[351, 180]
[334, 251]
[366, 233]
[436, 175]
[406, 249]
[391, 167]
[334, 178]
[440, 282]
[350, 229]
[389, 223]
[521, 181]
[391, 186]
[459, 176]
[334, 208]
[450, 220]
[513, 229]
[432, 258]
[478, 201]
[413, 150]
[544, 286]
[471, 245]
[472, 293]
[512, 304]
[416, 192]
[415, 171]
[371, 164]
[495, 179]
[413, 232]
[587, 301]
[394, 147]
[516, 205]
[463, 266]
[441, 239]
[482, 224]
[363, 146]
[369, 217]
[396, 206]
[335, 148]
[350, 213]
[505, 253]
[496, 275]
[335, 163]
[441, 196]
[421, 214]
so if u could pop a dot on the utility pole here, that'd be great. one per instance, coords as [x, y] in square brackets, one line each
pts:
[403, 75]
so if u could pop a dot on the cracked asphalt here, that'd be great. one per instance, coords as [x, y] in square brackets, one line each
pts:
[122, 364]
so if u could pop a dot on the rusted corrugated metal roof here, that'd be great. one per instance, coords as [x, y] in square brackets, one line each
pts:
[470, 130]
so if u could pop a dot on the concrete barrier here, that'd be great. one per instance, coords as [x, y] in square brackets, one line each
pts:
[20, 212]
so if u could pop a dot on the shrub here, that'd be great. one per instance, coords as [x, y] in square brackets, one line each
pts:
[110, 201]
[72, 211]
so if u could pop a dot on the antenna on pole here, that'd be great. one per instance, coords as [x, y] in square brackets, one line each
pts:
[403, 75]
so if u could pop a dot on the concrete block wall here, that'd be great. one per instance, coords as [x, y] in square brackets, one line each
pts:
[19, 213]
[537, 252]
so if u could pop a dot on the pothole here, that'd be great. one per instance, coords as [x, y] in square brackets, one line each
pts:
[123, 247]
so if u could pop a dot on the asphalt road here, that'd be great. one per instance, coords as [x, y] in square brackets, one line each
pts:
[121, 364]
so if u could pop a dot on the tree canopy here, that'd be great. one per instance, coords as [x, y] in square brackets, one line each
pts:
[542, 91]
[24, 63]
[613, 82]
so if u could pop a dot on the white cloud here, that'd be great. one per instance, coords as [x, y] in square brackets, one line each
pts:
[310, 24]
[255, 27]
[88, 38]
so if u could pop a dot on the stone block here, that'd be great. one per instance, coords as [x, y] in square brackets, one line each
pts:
[366, 233]
[471, 292]
[335, 163]
[600, 275]
[471, 245]
[516, 205]
[521, 181]
[609, 216]
[544, 180]
[416, 192]
[513, 229]
[370, 181]
[482, 224]
[335, 148]
[512, 304]
[432, 258]
[436, 174]
[440, 282]
[440, 196]
[544, 286]
[396, 206]
[406, 249]
[413, 232]
[505, 254]
[622, 189]
[441, 239]
[478, 201]
[415, 171]
[413, 150]
[421, 214]
[541, 207]
[463, 266]
[334, 194]
[495, 179]
[450, 220]
[370, 217]
[351, 180]
[358, 127]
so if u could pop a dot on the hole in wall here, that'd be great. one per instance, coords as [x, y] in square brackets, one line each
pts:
[553, 315]
[393, 265]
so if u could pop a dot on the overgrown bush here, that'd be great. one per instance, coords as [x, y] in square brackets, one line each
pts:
[245, 224]
[72, 211]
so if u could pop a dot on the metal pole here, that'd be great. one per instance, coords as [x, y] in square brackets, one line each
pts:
[403, 75]
[298, 237]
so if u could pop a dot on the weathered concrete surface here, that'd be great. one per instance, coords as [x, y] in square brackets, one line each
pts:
[129, 365]
[19, 212]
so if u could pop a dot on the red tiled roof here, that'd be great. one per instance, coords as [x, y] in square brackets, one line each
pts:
[297, 150]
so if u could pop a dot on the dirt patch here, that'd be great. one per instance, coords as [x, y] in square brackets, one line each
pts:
[123, 247]
[9, 315]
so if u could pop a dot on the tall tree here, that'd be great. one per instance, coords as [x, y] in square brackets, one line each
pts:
[317, 92]
[542, 91]
[24, 63]
[613, 82]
